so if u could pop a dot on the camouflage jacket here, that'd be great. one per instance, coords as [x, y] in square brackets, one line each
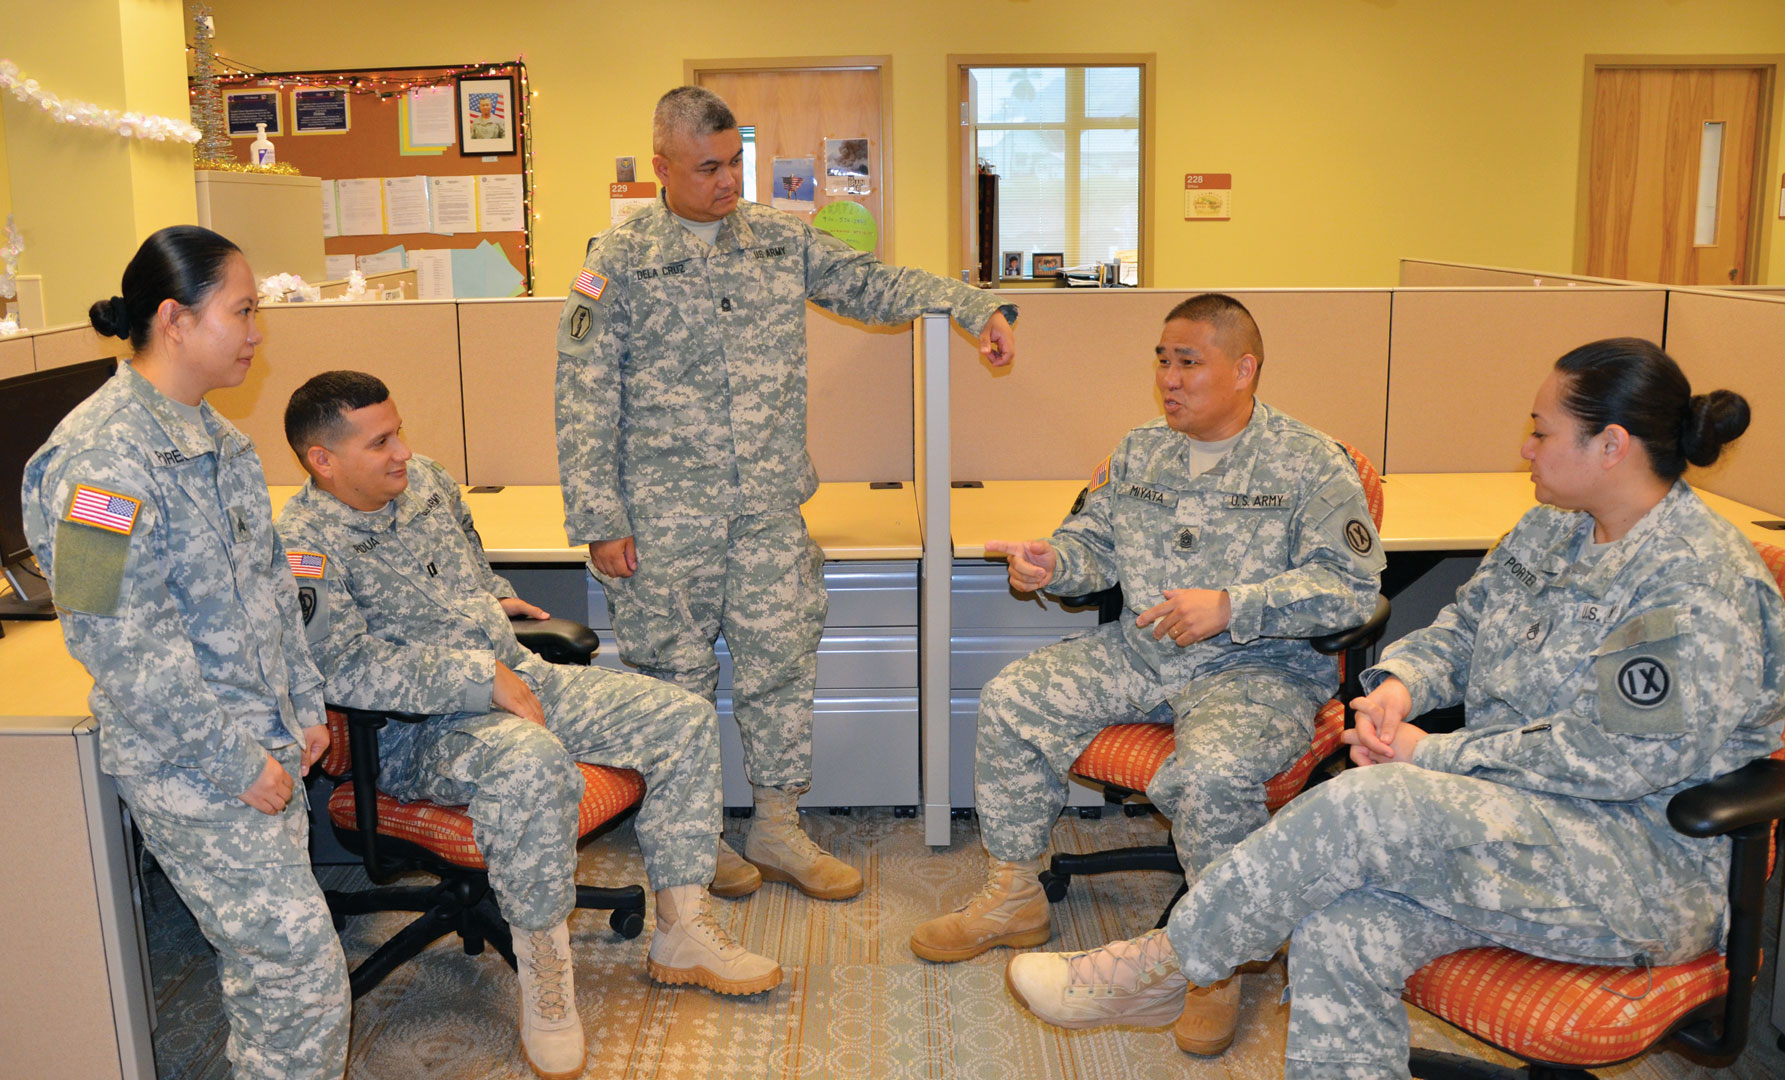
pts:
[1280, 523]
[681, 386]
[1610, 686]
[402, 613]
[157, 538]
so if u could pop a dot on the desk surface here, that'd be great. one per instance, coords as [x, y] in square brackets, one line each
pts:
[1421, 511]
[525, 524]
[43, 683]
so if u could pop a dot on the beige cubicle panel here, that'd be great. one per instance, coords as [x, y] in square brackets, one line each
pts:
[412, 346]
[1735, 342]
[1429, 273]
[1083, 375]
[1466, 364]
[858, 415]
[74, 344]
[16, 357]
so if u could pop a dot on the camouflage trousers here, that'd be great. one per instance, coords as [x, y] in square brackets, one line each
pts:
[1235, 730]
[757, 579]
[520, 785]
[1374, 874]
[246, 878]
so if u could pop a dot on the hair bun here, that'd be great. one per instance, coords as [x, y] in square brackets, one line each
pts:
[111, 317]
[1712, 420]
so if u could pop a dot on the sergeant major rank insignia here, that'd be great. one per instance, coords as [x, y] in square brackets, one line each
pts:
[580, 321]
[1186, 539]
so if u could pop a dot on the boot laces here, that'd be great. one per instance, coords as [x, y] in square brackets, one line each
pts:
[548, 969]
[997, 888]
[703, 922]
[1122, 965]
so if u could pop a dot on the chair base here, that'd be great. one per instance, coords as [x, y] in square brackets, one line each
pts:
[462, 905]
[1436, 1065]
[1061, 869]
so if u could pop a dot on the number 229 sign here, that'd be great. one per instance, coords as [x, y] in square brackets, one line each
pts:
[1208, 196]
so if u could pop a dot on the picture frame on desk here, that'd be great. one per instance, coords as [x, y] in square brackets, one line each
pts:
[487, 115]
[1046, 263]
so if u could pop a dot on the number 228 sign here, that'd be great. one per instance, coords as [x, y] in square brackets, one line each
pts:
[1208, 196]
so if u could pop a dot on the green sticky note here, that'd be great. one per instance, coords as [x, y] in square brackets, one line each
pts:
[849, 222]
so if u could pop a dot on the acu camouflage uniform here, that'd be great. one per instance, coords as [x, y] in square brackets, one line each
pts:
[681, 413]
[186, 618]
[1595, 688]
[404, 616]
[1281, 523]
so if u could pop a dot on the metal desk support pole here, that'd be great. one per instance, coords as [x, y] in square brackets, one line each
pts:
[935, 570]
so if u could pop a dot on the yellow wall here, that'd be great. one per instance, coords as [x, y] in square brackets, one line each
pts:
[1358, 132]
[85, 198]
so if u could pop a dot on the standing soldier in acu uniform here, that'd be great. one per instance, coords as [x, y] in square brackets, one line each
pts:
[1235, 533]
[149, 513]
[681, 411]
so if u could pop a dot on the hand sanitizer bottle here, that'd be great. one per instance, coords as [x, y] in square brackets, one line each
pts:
[261, 148]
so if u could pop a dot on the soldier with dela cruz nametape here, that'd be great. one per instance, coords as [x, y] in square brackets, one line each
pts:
[405, 613]
[148, 512]
[1622, 643]
[681, 411]
[1235, 533]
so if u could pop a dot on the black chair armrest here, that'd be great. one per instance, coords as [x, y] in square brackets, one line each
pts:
[1751, 795]
[1358, 636]
[557, 641]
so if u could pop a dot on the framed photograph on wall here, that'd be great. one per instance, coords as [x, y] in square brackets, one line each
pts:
[1046, 264]
[487, 115]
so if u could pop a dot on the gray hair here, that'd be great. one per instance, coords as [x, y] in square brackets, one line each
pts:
[689, 110]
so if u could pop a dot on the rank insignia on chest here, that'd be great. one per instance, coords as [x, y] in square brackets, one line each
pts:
[103, 509]
[580, 321]
[1186, 539]
[590, 284]
[306, 564]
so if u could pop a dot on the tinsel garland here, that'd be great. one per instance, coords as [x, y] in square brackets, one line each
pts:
[283, 168]
[131, 125]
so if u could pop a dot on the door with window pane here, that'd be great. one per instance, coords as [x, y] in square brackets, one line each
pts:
[1671, 192]
[1065, 143]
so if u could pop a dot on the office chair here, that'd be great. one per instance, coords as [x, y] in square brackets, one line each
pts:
[393, 837]
[1561, 1018]
[1124, 757]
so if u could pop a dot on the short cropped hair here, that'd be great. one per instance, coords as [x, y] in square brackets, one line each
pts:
[317, 412]
[689, 110]
[1239, 333]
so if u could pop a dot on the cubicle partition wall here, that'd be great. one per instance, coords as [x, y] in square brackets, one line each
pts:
[413, 347]
[1430, 273]
[17, 357]
[1465, 363]
[1736, 341]
[75, 344]
[1084, 375]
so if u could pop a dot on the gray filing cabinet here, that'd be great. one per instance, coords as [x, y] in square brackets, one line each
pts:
[992, 627]
[865, 749]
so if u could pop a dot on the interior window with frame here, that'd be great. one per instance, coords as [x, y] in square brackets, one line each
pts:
[1066, 143]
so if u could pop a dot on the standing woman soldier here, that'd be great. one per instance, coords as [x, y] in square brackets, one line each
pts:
[149, 513]
[1621, 643]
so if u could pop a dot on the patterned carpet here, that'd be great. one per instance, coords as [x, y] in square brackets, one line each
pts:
[855, 1005]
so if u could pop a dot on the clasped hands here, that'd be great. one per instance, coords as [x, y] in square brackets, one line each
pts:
[1380, 732]
[1186, 615]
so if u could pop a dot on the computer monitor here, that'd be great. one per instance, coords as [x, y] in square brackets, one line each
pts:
[30, 408]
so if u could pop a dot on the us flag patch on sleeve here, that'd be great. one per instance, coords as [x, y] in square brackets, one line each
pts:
[590, 284]
[306, 563]
[103, 509]
[1099, 476]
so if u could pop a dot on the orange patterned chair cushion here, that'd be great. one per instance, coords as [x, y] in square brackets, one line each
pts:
[446, 830]
[1546, 1010]
[1127, 755]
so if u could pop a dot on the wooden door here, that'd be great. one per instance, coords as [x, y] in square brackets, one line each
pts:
[1671, 188]
[794, 110]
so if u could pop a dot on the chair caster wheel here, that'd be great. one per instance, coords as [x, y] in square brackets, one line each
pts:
[627, 922]
[1054, 885]
[739, 811]
[340, 921]
[1135, 809]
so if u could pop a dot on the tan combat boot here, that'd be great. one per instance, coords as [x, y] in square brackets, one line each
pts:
[1136, 982]
[782, 851]
[732, 876]
[1211, 1013]
[551, 1030]
[1010, 909]
[691, 947]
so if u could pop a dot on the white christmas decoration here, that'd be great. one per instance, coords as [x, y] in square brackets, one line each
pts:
[8, 326]
[9, 259]
[131, 125]
[290, 288]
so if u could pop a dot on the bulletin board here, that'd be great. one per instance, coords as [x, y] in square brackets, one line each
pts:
[375, 145]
